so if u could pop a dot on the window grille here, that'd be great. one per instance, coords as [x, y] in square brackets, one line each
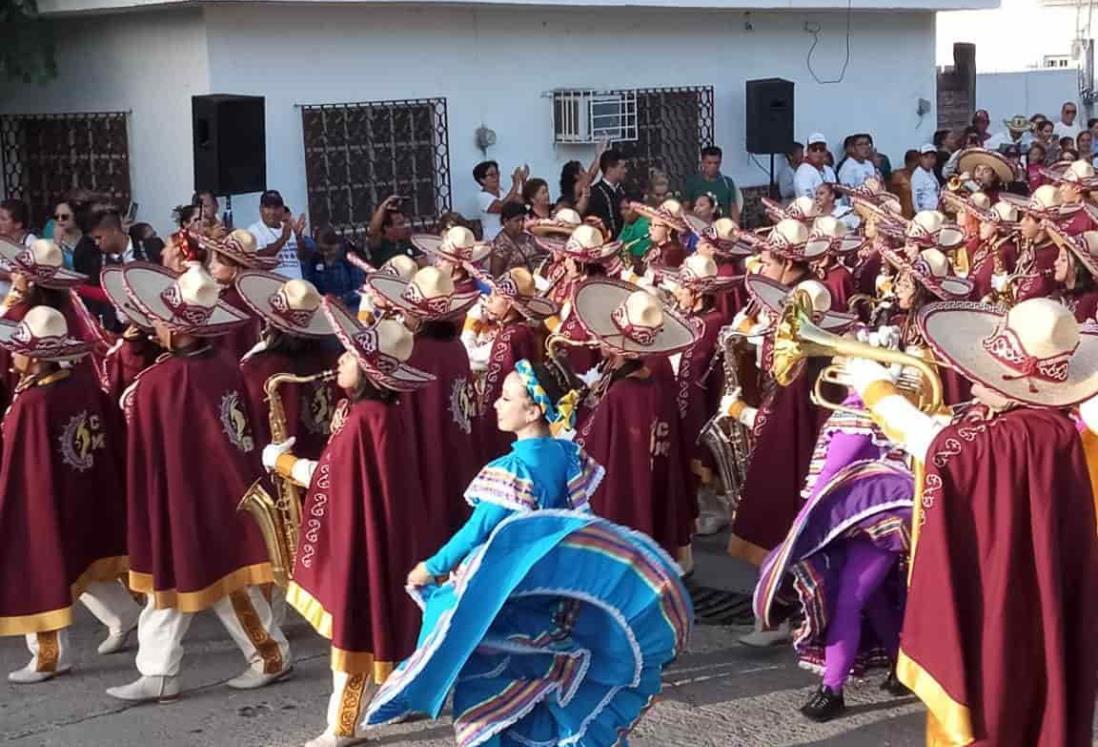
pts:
[358, 154]
[47, 155]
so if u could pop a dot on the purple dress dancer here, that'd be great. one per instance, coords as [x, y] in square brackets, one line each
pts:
[844, 559]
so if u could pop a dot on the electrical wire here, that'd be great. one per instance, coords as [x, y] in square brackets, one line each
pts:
[814, 29]
[762, 168]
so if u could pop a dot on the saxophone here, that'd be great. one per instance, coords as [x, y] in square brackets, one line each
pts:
[729, 439]
[279, 518]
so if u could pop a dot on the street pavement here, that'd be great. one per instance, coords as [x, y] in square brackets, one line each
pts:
[719, 694]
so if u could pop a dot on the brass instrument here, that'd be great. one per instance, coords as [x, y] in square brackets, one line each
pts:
[728, 439]
[279, 519]
[1024, 270]
[590, 393]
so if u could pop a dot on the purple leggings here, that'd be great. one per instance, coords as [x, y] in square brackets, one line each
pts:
[864, 570]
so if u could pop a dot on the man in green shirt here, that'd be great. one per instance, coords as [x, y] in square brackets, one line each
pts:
[711, 181]
[634, 232]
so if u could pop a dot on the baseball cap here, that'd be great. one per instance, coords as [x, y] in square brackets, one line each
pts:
[816, 137]
[271, 198]
[927, 148]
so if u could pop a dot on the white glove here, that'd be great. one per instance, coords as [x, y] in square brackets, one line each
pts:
[477, 312]
[999, 282]
[590, 376]
[271, 452]
[885, 337]
[862, 373]
[730, 399]
[737, 321]
[540, 283]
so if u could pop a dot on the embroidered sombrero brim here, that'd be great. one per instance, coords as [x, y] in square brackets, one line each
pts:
[110, 279]
[805, 252]
[432, 245]
[879, 209]
[15, 259]
[58, 350]
[550, 227]
[948, 237]
[144, 284]
[1074, 244]
[711, 284]
[1058, 174]
[559, 247]
[948, 288]
[774, 296]
[392, 289]
[361, 343]
[677, 222]
[595, 302]
[230, 251]
[777, 212]
[955, 329]
[973, 157]
[1058, 213]
[836, 246]
[257, 288]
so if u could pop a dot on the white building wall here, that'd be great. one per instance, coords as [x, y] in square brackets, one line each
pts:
[149, 64]
[1015, 36]
[1028, 93]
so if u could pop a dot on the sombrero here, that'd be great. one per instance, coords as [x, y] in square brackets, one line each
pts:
[585, 244]
[1080, 173]
[834, 235]
[723, 235]
[517, 286]
[240, 247]
[669, 213]
[1084, 246]
[42, 334]
[110, 279]
[1036, 353]
[774, 296]
[292, 306]
[457, 245]
[789, 240]
[970, 158]
[428, 295]
[561, 224]
[871, 190]
[880, 210]
[803, 209]
[188, 304]
[629, 320]
[381, 349]
[1044, 204]
[699, 274]
[42, 263]
[928, 229]
[932, 271]
[971, 202]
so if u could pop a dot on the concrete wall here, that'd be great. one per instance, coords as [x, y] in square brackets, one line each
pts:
[1007, 94]
[1015, 36]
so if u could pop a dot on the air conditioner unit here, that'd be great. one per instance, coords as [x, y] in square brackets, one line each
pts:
[587, 116]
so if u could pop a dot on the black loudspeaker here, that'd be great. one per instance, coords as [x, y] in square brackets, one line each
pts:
[769, 124]
[230, 144]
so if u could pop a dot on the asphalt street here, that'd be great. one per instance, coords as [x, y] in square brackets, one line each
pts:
[720, 693]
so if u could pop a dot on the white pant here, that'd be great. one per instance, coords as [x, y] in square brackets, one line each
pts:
[49, 651]
[351, 693]
[112, 605]
[245, 614]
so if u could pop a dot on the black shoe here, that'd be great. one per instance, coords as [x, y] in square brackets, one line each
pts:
[824, 705]
[893, 686]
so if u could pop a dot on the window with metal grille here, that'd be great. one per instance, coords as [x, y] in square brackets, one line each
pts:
[47, 155]
[356, 155]
[673, 125]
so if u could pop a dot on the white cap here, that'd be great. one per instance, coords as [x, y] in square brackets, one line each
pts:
[927, 148]
[816, 137]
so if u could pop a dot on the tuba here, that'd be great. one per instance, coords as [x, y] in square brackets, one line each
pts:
[279, 518]
[729, 440]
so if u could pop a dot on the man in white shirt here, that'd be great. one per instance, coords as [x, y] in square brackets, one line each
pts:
[924, 185]
[491, 198]
[858, 166]
[276, 233]
[1067, 127]
[814, 171]
[1019, 131]
[793, 159]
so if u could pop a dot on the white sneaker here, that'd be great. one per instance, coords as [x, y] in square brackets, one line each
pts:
[250, 679]
[759, 638]
[330, 740]
[714, 514]
[116, 642]
[28, 675]
[160, 689]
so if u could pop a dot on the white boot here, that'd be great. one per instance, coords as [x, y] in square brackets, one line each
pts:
[713, 511]
[29, 675]
[160, 689]
[116, 642]
[330, 740]
[759, 638]
[250, 679]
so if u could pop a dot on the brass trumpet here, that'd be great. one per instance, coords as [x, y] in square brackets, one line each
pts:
[797, 338]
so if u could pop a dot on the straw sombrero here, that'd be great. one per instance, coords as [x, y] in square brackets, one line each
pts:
[42, 263]
[1084, 246]
[1080, 173]
[457, 245]
[381, 349]
[873, 191]
[292, 306]
[669, 213]
[1036, 353]
[630, 321]
[188, 304]
[699, 274]
[110, 279]
[803, 209]
[789, 240]
[1044, 204]
[774, 296]
[428, 295]
[932, 271]
[42, 334]
[834, 235]
[238, 246]
[517, 286]
[970, 158]
[928, 229]
[723, 235]
[586, 244]
[563, 222]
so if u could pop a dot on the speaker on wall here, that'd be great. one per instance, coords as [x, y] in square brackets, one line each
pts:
[769, 125]
[230, 144]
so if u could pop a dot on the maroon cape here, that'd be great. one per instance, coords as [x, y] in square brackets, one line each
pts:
[983, 264]
[308, 407]
[998, 636]
[580, 359]
[1079, 223]
[243, 338]
[866, 272]
[840, 283]
[62, 502]
[1041, 285]
[191, 456]
[128, 358]
[698, 393]
[515, 341]
[634, 433]
[440, 417]
[1083, 305]
[730, 303]
[366, 524]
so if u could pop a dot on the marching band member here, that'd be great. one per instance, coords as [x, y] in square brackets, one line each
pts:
[454, 252]
[189, 548]
[551, 270]
[372, 307]
[136, 348]
[366, 520]
[535, 581]
[993, 250]
[228, 258]
[667, 230]
[1038, 252]
[1076, 271]
[829, 269]
[875, 210]
[1075, 181]
[62, 499]
[724, 242]
[633, 428]
[441, 414]
[998, 632]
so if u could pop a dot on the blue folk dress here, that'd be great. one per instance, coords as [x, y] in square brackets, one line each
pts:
[554, 626]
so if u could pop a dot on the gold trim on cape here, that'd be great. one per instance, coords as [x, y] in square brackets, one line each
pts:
[104, 569]
[308, 607]
[949, 723]
[361, 662]
[203, 599]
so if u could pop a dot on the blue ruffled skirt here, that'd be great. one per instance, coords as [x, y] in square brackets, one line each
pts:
[554, 632]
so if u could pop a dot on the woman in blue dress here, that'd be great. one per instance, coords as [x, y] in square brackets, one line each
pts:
[549, 625]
